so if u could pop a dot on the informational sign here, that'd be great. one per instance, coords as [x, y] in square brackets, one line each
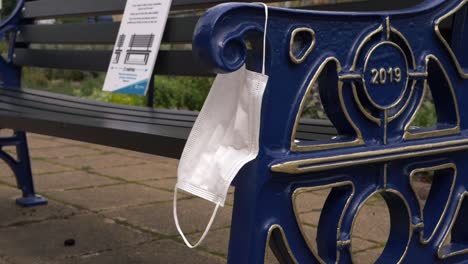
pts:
[137, 46]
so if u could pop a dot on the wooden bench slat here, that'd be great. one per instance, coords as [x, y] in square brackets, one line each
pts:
[21, 97]
[23, 110]
[178, 30]
[168, 62]
[317, 136]
[58, 8]
[165, 140]
[25, 96]
[25, 105]
[83, 107]
[92, 103]
[328, 130]
[39, 9]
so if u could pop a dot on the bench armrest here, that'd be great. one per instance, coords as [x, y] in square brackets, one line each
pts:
[219, 37]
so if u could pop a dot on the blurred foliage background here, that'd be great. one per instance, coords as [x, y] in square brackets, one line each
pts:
[170, 92]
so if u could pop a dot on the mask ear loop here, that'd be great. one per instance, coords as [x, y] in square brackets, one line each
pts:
[264, 37]
[207, 229]
[213, 216]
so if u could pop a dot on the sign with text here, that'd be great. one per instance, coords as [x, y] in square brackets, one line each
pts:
[137, 46]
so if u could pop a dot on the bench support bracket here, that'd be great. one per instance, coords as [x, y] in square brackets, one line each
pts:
[21, 167]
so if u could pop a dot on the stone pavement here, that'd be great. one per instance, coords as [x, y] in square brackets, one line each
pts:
[116, 206]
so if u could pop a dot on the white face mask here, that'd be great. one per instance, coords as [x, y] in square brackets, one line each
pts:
[224, 138]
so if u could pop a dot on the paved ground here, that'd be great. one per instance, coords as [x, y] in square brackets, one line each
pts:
[117, 206]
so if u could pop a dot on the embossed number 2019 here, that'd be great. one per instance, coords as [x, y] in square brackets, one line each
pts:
[382, 76]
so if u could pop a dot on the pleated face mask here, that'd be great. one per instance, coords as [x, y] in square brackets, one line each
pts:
[224, 138]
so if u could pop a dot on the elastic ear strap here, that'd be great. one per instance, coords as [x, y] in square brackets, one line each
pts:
[208, 227]
[264, 37]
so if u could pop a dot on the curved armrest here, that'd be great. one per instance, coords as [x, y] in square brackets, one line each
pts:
[219, 38]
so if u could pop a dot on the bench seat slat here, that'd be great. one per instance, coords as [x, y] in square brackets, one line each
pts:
[91, 102]
[26, 97]
[310, 126]
[29, 106]
[111, 124]
[159, 140]
[62, 103]
[168, 62]
[111, 111]
[317, 136]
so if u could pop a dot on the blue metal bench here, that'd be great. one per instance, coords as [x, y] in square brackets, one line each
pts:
[134, 128]
[372, 69]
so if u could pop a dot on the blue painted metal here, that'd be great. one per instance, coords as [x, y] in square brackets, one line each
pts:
[11, 77]
[376, 150]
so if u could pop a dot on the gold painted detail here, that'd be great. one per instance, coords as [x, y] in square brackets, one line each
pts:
[300, 191]
[390, 30]
[343, 243]
[460, 70]
[408, 135]
[390, 118]
[380, 76]
[440, 254]
[405, 40]
[380, 29]
[356, 76]
[402, 110]
[358, 141]
[410, 226]
[363, 109]
[285, 242]
[368, 157]
[309, 49]
[416, 75]
[361, 45]
[451, 166]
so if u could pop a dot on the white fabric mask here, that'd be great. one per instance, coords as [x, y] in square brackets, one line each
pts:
[224, 138]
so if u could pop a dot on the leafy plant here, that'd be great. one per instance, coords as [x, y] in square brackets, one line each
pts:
[170, 92]
[426, 116]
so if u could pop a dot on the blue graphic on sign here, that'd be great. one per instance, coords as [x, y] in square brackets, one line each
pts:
[138, 88]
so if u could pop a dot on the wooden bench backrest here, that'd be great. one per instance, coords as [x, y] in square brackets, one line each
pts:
[179, 30]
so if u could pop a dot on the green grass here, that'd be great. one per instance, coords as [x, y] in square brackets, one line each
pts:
[171, 92]
[426, 116]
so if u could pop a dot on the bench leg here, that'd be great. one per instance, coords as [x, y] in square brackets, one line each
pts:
[23, 174]
[246, 247]
[248, 231]
[263, 219]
